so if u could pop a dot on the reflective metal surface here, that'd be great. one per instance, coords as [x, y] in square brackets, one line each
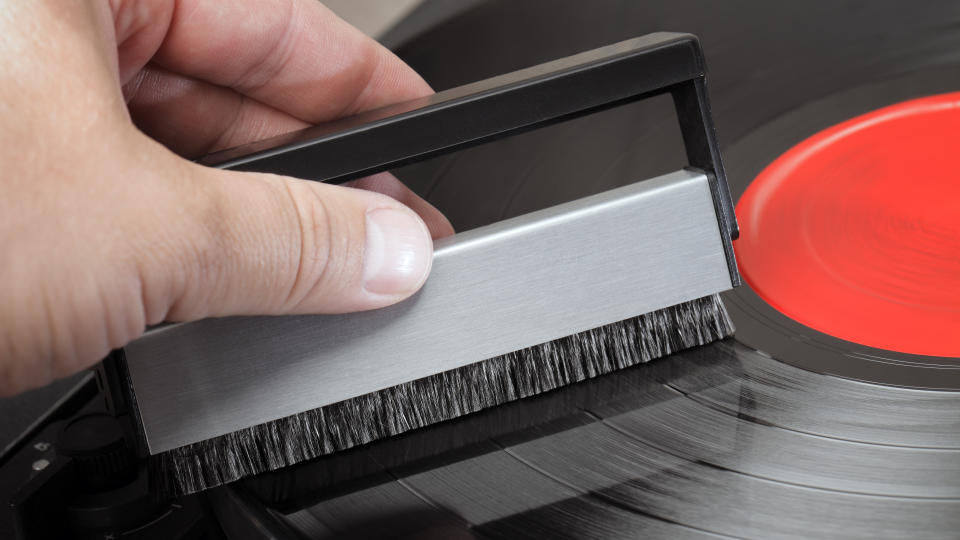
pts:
[493, 290]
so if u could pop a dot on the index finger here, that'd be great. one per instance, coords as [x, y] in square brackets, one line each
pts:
[294, 55]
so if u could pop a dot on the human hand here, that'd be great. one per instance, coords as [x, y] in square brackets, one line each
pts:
[105, 230]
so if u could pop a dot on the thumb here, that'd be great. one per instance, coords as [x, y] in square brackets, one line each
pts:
[264, 244]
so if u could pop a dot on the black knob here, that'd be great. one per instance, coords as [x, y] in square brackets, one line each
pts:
[96, 444]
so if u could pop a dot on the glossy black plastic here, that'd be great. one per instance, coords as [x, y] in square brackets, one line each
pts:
[527, 99]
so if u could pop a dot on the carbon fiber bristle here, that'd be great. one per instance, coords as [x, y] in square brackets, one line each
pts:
[440, 397]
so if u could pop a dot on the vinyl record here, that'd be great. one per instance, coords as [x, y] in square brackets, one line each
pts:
[719, 441]
[781, 431]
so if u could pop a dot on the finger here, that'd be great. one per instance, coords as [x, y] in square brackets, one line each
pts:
[388, 184]
[194, 118]
[139, 27]
[263, 244]
[161, 103]
[294, 55]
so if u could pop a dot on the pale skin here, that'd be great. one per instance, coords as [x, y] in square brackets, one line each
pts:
[107, 227]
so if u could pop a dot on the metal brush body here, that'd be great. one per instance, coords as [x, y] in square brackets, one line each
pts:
[510, 310]
[493, 290]
[442, 396]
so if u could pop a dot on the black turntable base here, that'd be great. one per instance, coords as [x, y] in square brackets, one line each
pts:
[779, 432]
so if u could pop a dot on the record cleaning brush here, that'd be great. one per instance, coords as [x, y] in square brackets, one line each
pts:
[510, 310]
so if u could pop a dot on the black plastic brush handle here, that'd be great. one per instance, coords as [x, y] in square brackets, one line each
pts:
[578, 85]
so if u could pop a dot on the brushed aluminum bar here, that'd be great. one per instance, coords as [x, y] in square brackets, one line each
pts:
[493, 290]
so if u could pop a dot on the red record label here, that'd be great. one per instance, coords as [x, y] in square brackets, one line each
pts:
[855, 232]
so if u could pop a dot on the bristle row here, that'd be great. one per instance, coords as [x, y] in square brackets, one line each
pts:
[440, 397]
